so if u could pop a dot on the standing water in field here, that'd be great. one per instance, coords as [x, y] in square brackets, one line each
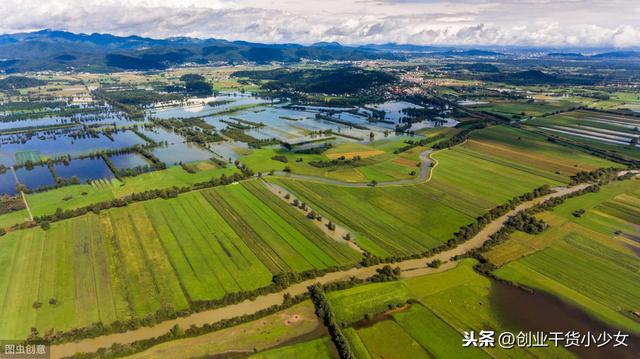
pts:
[85, 169]
[544, 312]
[7, 183]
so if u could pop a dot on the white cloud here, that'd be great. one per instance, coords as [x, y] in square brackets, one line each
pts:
[469, 22]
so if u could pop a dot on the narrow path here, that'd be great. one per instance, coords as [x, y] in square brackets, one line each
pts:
[413, 267]
[338, 233]
[24, 197]
[425, 175]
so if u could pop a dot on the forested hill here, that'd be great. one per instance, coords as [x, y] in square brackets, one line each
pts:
[60, 50]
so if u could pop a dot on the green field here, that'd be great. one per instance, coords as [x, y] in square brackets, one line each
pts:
[533, 150]
[522, 108]
[380, 167]
[409, 219]
[352, 304]
[583, 260]
[446, 304]
[603, 122]
[161, 254]
[259, 335]
[321, 348]
[70, 197]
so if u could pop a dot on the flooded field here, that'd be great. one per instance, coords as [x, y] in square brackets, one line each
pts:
[544, 312]
[204, 107]
[7, 183]
[36, 177]
[175, 153]
[85, 169]
[63, 142]
[128, 160]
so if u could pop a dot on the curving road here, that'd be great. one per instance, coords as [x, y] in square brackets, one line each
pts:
[424, 175]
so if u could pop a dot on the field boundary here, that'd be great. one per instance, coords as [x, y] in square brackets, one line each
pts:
[410, 268]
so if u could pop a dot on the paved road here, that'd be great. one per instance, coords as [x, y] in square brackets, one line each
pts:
[424, 175]
[413, 267]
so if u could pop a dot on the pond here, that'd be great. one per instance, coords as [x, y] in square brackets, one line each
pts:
[38, 176]
[85, 169]
[128, 160]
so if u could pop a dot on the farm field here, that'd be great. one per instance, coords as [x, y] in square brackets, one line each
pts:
[443, 306]
[522, 109]
[378, 162]
[155, 255]
[597, 253]
[601, 130]
[259, 335]
[390, 221]
[533, 150]
[314, 349]
[70, 197]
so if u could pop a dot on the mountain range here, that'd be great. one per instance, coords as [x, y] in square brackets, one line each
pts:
[62, 50]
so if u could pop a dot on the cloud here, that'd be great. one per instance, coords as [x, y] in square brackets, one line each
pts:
[466, 22]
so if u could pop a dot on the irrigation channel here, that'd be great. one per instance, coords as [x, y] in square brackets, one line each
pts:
[410, 268]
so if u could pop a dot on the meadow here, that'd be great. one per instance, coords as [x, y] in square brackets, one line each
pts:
[533, 150]
[321, 348]
[523, 108]
[75, 196]
[590, 260]
[259, 335]
[600, 130]
[157, 255]
[444, 305]
[409, 219]
[378, 161]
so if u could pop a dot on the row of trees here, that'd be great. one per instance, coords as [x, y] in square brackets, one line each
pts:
[464, 233]
[422, 142]
[325, 312]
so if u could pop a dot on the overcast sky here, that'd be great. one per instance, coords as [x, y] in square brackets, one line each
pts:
[466, 22]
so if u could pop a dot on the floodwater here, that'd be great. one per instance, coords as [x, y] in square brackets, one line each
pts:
[128, 160]
[203, 109]
[7, 183]
[174, 153]
[60, 143]
[85, 169]
[544, 312]
[38, 176]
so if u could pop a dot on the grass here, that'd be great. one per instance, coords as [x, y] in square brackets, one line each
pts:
[583, 118]
[582, 260]
[262, 334]
[70, 197]
[161, 254]
[352, 304]
[377, 161]
[409, 219]
[433, 334]
[533, 150]
[313, 349]
[528, 109]
[447, 304]
[400, 346]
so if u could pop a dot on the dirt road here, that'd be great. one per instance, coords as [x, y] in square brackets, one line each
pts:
[410, 268]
